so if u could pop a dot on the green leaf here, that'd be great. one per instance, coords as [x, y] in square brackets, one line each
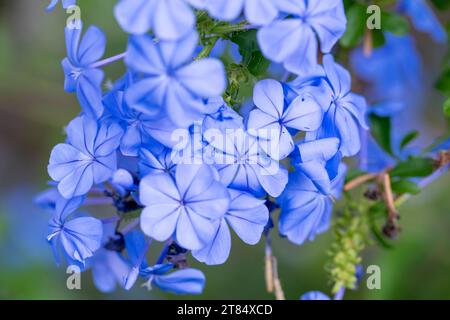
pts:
[378, 39]
[394, 23]
[356, 26]
[381, 131]
[413, 167]
[409, 138]
[252, 57]
[405, 186]
[447, 108]
[443, 84]
[441, 4]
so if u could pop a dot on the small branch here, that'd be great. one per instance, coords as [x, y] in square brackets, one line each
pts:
[359, 181]
[368, 43]
[229, 28]
[279, 293]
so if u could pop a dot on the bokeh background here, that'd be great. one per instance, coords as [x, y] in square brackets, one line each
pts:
[33, 111]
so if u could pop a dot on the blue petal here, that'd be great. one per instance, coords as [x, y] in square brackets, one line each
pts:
[314, 295]
[173, 19]
[92, 46]
[186, 281]
[135, 16]
[247, 216]
[89, 92]
[218, 250]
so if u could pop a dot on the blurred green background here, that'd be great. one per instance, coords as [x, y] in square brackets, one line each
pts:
[33, 110]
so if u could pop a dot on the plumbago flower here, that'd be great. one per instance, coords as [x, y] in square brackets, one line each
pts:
[423, 18]
[172, 85]
[78, 236]
[173, 151]
[305, 210]
[168, 19]
[247, 216]
[273, 117]
[87, 158]
[184, 207]
[257, 12]
[81, 74]
[65, 4]
[293, 41]
[243, 165]
[345, 116]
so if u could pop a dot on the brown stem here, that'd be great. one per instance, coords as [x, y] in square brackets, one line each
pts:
[359, 181]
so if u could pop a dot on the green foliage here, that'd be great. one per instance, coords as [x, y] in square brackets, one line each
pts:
[351, 237]
[441, 4]
[394, 23]
[356, 26]
[413, 167]
[407, 139]
[252, 57]
[447, 108]
[405, 186]
[381, 131]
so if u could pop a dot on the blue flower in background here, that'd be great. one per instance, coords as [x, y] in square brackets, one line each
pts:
[65, 3]
[247, 216]
[109, 268]
[314, 295]
[293, 41]
[270, 120]
[78, 236]
[87, 158]
[423, 18]
[257, 12]
[183, 206]
[172, 84]
[168, 19]
[244, 166]
[305, 210]
[346, 114]
[394, 72]
[81, 75]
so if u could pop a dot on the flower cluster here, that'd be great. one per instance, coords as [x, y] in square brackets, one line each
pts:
[180, 165]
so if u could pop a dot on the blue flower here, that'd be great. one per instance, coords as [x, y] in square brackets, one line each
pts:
[168, 19]
[394, 73]
[109, 268]
[81, 76]
[247, 216]
[346, 114]
[65, 3]
[138, 128]
[314, 295]
[151, 162]
[184, 281]
[293, 41]
[423, 18]
[87, 158]
[184, 206]
[312, 159]
[257, 12]
[79, 237]
[271, 119]
[172, 85]
[222, 119]
[305, 211]
[244, 166]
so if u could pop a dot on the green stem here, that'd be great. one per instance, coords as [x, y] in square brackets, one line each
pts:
[229, 28]
[206, 51]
